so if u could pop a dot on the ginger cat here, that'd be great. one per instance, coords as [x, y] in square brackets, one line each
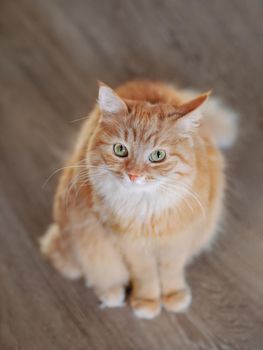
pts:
[141, 195]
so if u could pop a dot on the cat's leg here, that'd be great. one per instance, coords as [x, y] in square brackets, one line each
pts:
[176, 294]
[88, 253]
[102, 264]
[145, 295]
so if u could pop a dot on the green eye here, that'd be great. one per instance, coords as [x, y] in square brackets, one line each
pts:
[157, 156]
[120, 150]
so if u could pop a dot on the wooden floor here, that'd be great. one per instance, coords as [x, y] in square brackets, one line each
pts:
[51, 54]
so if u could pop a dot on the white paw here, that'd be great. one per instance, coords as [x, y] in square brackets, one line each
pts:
[177, 301]
[146, 309]
[114, 297]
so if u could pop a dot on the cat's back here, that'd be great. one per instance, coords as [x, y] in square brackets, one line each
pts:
[150, 91]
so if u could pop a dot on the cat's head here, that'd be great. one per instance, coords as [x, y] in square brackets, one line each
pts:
[141, 146]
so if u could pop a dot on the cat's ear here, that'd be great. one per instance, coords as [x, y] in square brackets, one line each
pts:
[109, 102]
[189, 115]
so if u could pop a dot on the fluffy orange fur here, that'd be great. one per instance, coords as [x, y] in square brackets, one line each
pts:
[128, 220]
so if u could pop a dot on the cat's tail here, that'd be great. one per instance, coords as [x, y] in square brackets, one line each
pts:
[221, 120]
[57, 248]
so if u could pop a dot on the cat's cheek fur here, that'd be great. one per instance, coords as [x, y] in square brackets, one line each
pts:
[113, 232]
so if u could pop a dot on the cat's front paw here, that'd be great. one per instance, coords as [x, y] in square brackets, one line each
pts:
[114, 297]
[145, 308]
[177, 301]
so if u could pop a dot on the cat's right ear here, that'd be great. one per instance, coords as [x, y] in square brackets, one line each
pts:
[109, 102]
[189, 115]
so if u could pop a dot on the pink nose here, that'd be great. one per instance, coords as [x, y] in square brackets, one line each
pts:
[133, 177]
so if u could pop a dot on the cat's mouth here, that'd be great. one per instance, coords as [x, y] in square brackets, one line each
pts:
[139, 183]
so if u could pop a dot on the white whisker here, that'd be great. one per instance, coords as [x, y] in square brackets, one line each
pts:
[60, 169]
[188, 191]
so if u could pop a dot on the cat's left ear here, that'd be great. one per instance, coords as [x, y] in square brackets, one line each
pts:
[189, 115]
[109, 102]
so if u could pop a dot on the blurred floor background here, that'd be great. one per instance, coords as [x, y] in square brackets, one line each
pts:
[51, 54]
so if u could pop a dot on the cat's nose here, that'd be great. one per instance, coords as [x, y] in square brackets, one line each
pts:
[133, 177]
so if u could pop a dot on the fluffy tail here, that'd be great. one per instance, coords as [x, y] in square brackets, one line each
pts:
[58, 249]
[220, 119]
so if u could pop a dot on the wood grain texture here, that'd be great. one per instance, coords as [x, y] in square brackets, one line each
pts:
[51, 54]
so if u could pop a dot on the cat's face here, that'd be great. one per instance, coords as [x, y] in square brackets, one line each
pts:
[141, 151]
[141, 147]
